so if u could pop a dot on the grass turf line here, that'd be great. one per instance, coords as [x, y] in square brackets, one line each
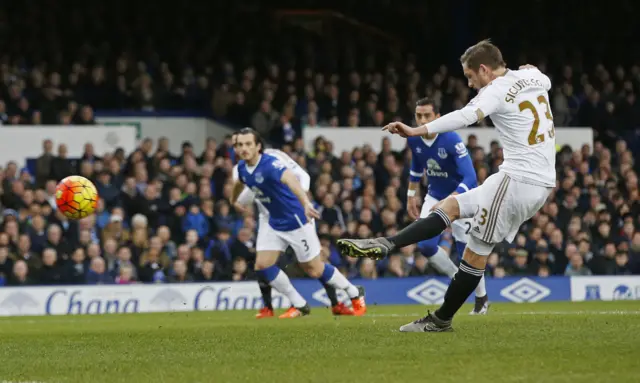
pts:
[542, 342]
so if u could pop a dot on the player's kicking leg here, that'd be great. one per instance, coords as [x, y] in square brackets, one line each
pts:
[306, 245]
[499, 207]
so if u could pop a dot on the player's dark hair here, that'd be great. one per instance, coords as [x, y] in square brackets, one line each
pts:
[483, 53]
[256, 137]
[428, 101]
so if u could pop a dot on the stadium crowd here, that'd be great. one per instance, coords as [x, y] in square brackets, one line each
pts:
[166, 217]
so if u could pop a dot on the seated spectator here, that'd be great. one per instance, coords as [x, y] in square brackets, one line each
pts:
[20, 275]
[125, 275]
[98, 274]
[76, 269]
[51, 273]
[179, 273]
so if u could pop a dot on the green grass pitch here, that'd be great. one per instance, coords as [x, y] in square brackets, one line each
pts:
[543, 342]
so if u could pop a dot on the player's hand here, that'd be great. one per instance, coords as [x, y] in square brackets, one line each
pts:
[311, 212]
[527, 66]
[400, 129]
[412, 208]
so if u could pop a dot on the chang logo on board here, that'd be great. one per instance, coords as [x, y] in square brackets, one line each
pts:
[18, 303]
[168, 299]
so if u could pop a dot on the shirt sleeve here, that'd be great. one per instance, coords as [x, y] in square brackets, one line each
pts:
[276, 168]
[417, 167]
[464, 166]
[484, 104]
[544, 79]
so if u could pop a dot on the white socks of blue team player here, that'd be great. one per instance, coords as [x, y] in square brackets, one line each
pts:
[281, 282]
[334, 278]
[441, 262]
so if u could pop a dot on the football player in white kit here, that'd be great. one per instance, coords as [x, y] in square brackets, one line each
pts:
[246, 199]
[518, 103]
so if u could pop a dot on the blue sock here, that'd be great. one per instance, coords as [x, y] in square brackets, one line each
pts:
[460, 246]
[269, 274]
[429, 247]
[327, 273]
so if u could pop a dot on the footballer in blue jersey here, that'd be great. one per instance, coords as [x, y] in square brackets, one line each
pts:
[247, 198]
[449, 171]
[291, 224]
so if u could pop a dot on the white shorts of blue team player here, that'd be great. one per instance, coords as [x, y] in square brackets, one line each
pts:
[460, 228]
[304, 240]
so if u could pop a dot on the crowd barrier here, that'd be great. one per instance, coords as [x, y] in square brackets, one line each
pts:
[69, 300]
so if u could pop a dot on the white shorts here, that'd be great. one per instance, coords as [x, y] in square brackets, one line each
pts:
[304, 241]
[499, 207]
[460, 227]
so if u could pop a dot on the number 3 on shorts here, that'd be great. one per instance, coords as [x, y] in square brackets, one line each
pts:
[483, 216]
[306, 245]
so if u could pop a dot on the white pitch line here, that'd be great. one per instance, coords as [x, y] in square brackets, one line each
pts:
[611, 312]
[70, 320]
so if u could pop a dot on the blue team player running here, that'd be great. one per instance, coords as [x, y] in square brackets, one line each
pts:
[449, 172]
[291, 216]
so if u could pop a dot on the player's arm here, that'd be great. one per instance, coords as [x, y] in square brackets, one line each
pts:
[415, 176]
[484, 104]
[289, 178]
[464, 165]
[244, 200]
[238, 188]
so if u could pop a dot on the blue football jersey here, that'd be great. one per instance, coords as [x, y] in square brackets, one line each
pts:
[447, 162]
[286, 213]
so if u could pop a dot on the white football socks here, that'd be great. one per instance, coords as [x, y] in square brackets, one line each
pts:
[481, 290]
[339, 281]
[283, 285]
[441, 262]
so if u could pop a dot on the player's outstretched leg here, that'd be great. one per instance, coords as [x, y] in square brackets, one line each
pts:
[265, 291]
[464, 282]
[481, 306]
[422, 229]
[331, 276]
[280, 281]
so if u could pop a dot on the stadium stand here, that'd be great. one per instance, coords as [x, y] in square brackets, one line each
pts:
[166, 217]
